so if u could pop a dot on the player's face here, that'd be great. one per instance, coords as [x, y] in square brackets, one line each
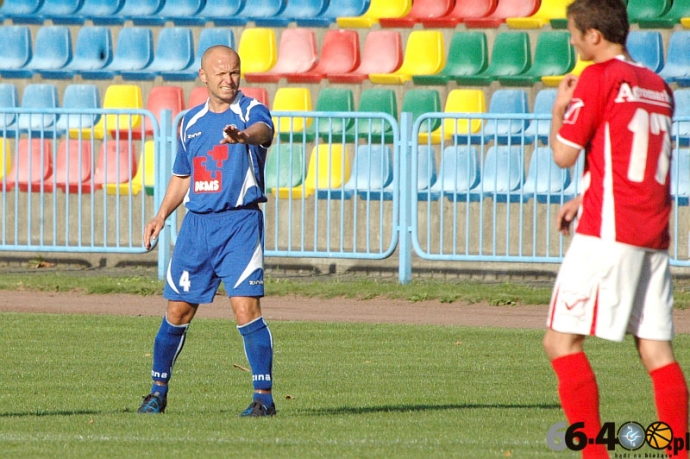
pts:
[222, 76]
[580, 41]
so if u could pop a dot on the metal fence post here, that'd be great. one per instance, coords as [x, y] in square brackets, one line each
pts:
[163, 167]
[405, 210]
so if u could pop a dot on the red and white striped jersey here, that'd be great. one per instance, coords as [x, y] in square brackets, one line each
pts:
[621, 115]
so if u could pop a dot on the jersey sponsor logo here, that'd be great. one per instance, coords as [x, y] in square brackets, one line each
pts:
[208, 178]
[573, 111]
[637, 94]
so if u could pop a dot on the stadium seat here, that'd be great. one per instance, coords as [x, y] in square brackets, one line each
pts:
[144, 178]
[5, 160]
[93, 51]
[198, 96]
[116, 163]
[419, 102]
[680, 176]
[424, 55]
[374, 130]
[548, 11]
[57, 11]
[328, 169]
[503, 174]
[463, 9]
[15, 51]
[134, 51]
[289, 99]
[163, 98]
[258, 50]
[503, 131]
[377, 9]
[335, 9]
[295, 9]
[679, 9]
[371, 172]
[222, 13]
[639, 10]
[383, 53]
[52, 50]
[38, 97]
[458, 175]
[258, 93]
[130, 9]
[330, 129]
[339, 54]
[554, 80]
[284, 167]
[426, 173]
[79, 97]
[677, 65]
[540, 129]
[172, 10]
[504, 9]
[553, 55]
[511, 55]
[16, 10]
[32, 165]
[72, 172]
[207, 37]
[421, 9]
[123, 126]
[9, 99]
[458, 101]
[545, 180]
[681, 129]
[94, 11]
[174, 52]
[647, 48]
[261, 9]
[468, 54]
[297, 53]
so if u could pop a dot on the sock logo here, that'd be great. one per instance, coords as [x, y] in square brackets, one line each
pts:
[261, 377]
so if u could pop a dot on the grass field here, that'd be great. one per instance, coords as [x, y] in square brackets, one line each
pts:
[71, 385]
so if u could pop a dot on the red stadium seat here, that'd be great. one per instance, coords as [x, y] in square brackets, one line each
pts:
[198, 96]
[72, 167]
[383, 53]
[464, 9]
[163, 98]
[117, 163]
[259, 94]
[32, 164]
[421, 9]
[504, 9]
[297, 53]
[339, 54]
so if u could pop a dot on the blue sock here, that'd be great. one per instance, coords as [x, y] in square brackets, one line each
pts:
[258, 345]
[166, 347]
[162, 390]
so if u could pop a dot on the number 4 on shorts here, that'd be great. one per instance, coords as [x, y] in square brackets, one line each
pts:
[184, 281]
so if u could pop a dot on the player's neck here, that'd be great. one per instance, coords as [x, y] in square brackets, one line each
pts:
[607, 51]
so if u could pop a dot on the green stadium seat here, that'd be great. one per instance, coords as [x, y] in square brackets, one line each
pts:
[284, 167]
[421, 101]
[679, 9]
[553, 55]
[647, 9]
[511, 55]
[374, 130]
[468, 54]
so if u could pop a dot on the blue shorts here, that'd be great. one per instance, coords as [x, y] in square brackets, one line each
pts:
[225, 246]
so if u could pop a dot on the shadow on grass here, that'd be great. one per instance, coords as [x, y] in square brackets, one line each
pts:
[49, 413]
[413, 408]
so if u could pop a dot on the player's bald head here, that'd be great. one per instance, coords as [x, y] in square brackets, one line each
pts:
[218, 53]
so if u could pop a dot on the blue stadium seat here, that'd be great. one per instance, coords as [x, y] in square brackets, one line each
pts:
[545, 180]
[458, 175]
[681, 129]
[261, 9]
[677, 57]
[58, 11]
[130, 9]
[174, 52]
[93, 51]
[295, 9]
[680, 176]
[372, 172]
[647, 48]
[503, 174]
[39, 96]
[220, 12]
[94, 10]
[426, 172]
[541, 129]
[15, 51]
[209, 36]
[502, 131]
[134, 51]
[9, 99]
[17, 10]
[172, 9]
[79, 97]
[52, 50]
[335, 9]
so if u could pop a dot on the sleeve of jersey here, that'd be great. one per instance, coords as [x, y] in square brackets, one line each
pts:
[181, 166]
[583, 115]
[260, 114]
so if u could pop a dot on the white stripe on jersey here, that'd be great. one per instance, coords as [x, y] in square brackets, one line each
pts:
[170, 280]
[608, 206]
[249, 182]
[191, 123]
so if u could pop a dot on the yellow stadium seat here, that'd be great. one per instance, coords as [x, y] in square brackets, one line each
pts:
[258, 49]
[458, 101]
[548, 10]
[329, 168]
[685, 22]
[144, 177]
[554, 80]
[117, 96]
[424, 55]
[291, 99]
[5, 158]
[377, 9]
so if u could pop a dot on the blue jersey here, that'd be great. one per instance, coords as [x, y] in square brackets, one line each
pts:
[223, 176]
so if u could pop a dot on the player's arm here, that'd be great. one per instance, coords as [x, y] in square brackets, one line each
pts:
[174, 195]
[564, 155]
[567, 214]
[256, 134]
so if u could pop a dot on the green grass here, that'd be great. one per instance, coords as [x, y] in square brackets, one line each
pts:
[70, 385]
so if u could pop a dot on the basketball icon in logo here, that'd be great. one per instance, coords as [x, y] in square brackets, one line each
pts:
[659, 435]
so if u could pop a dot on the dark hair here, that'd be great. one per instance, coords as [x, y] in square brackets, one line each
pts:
[609, 17]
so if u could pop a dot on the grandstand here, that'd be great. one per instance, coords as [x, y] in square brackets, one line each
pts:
[426, 115]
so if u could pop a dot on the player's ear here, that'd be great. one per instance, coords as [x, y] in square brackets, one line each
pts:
[202, 76]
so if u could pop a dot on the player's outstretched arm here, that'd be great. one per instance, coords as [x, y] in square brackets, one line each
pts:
[256, 134]
[174, 195]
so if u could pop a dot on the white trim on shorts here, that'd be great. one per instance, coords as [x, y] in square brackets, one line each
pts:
[607, 289]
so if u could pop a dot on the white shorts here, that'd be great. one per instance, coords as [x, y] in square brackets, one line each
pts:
[608, 289]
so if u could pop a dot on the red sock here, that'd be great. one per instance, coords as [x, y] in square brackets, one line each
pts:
[577, 387]
[671, 398]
